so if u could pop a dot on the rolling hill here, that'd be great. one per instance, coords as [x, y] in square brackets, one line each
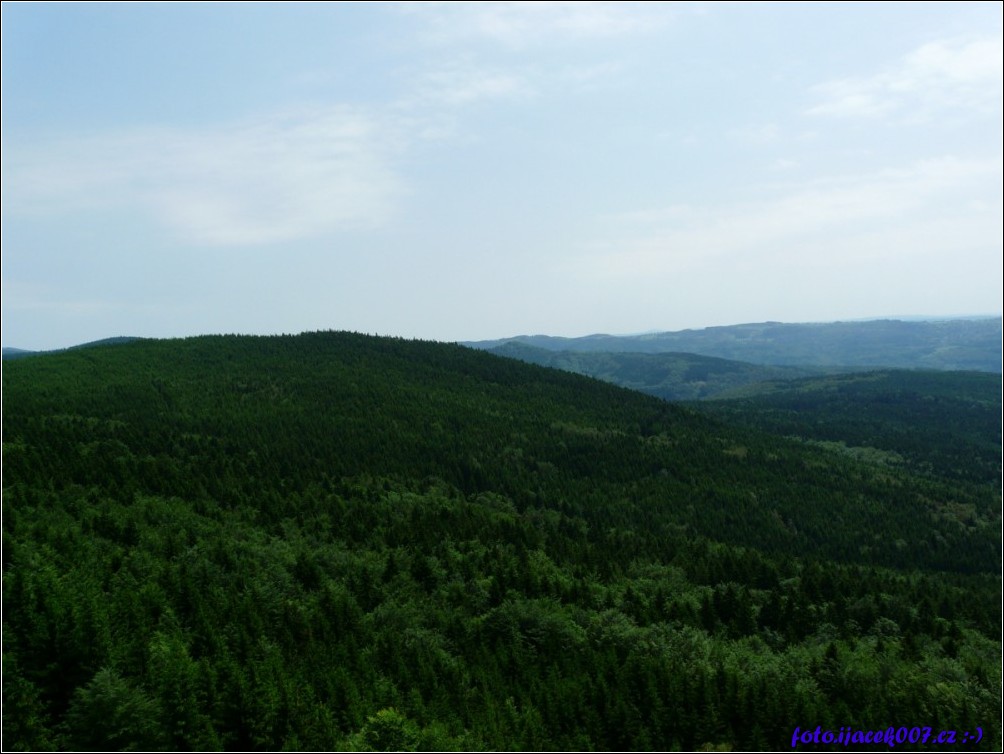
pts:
[333, 541]
[671, 376]
[18, 353]
[942, 423]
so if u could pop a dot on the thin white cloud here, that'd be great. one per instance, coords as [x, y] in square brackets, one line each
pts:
[756, 135]
[591, 76]
[34, 298]
[825, 220]
[520, 24]
[464, 84]
[953, 74]
[280, 178]
[783, 164]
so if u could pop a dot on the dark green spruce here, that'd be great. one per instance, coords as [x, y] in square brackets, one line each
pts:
[334, 541]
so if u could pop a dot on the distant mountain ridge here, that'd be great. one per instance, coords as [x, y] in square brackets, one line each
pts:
[963, 344]
[18, 353]
[670, 376]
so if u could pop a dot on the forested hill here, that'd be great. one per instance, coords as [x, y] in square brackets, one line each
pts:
[946, 424]
[20, 353]
[958, 344]
[15, 353]
[338, 541]
[671, 376]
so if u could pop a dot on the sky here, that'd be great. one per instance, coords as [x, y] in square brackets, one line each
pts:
[465, 171]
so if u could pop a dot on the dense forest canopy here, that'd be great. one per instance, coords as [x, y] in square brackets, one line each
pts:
[335, 541]
[945, 424]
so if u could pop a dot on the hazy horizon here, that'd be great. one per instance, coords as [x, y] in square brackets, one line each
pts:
[658, 331]
[487, 170]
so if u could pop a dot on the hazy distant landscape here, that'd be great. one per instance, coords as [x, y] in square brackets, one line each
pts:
[924, 344]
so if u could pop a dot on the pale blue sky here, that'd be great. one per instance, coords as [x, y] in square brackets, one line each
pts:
[468, 171]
